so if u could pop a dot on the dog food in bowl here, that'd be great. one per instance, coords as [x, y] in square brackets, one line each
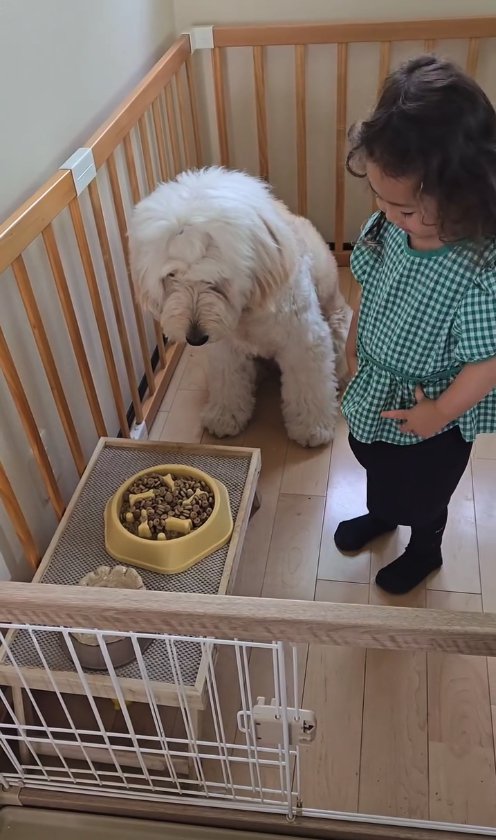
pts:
[166, 507]
[142, 531]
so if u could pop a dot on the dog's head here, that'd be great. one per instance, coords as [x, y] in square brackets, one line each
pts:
[206, 247]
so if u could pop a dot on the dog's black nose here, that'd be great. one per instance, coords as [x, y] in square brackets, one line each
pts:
[196, 337]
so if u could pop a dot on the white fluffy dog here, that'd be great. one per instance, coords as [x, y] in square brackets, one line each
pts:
[221, 263]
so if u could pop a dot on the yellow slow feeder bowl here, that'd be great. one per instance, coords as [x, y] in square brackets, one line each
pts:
[172, 556]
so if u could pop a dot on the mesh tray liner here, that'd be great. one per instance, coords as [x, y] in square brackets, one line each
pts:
[81, 549]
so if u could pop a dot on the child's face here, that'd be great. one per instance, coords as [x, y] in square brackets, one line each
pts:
[399, 200]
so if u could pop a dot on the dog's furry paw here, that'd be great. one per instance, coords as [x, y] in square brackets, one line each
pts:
[318, 436]
[221, 423]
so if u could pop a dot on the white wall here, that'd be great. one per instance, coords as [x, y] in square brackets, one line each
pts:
[64, 65]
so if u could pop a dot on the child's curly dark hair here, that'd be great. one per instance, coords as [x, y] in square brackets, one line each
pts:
[435, 123]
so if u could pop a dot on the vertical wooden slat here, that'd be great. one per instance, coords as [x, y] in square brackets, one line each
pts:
[18, 519]
[183, 115]
[29, 423]
[194, 109]
[261, 109]
[472, 56]
[220, 105]
[132, 171]
[172, 123]
[96, 301]
[147, 154]
[101, 229]
[159, 338]
[136, 196]
[73, 329]
[384, 65]
[39, 333]
[160, 138]
[122, 225]
[429, 45]
[341, 97]
[301, 129]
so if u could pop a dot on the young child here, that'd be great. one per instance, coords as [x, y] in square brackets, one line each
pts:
[422, 343]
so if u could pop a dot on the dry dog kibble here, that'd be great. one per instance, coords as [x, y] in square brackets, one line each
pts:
[166, 507]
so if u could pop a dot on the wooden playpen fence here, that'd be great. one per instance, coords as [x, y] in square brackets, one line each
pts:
[157, 132]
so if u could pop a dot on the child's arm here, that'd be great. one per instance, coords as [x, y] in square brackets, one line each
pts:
[429, 417]
[351, 341]
[471, 385]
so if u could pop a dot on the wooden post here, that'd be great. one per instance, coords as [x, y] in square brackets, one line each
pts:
[301, 129]
[103, 238]
[96, 301]
[341, 109]
[73, 329]
[261, 108]
[16, 516]
[20, 399]
[48, 361]
[138, 314]
[220, 105]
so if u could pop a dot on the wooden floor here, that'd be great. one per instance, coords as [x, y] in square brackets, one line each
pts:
[400, 734]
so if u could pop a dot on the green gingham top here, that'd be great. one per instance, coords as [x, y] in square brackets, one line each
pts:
[423, 316]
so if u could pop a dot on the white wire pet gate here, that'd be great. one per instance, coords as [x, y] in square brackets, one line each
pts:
[57, 741]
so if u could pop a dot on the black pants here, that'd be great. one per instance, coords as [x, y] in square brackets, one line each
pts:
[412, 484]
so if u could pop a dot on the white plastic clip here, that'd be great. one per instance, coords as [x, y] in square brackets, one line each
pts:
[139, 431]
[201, 38]
[269, 725]
[82, 166]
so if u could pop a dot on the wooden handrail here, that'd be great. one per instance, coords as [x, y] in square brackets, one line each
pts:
[108, 137]
[292, 34]
[23, 226]
[253, 619]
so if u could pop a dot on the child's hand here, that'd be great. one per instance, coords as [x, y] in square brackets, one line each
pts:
[425, 419]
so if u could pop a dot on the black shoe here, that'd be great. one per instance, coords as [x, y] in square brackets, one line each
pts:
[405, 573]
[353, 534]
